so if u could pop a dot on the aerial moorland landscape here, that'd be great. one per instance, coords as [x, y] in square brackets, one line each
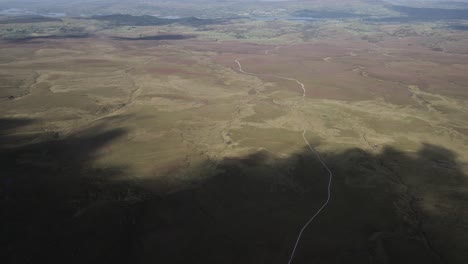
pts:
[241, 131]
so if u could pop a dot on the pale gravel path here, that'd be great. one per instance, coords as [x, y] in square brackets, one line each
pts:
[330, 173]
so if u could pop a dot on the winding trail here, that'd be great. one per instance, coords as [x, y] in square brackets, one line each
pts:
[271, 75]
[304, 132]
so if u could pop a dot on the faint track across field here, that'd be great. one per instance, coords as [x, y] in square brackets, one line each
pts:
[274, 76]
[304, 132]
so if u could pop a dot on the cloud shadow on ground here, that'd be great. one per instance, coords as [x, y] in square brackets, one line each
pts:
[57, 207]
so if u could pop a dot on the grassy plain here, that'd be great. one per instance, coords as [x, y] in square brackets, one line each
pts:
[161, 150]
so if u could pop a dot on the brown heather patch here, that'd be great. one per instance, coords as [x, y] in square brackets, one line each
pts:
[456, 47]
[167, 71]
[225, 46]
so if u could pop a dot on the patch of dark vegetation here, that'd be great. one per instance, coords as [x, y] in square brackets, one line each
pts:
[158, 37]
[405, 31]
[372, 39]
[195, 22]
[317, 14]
[27, 19]
[146, 20]
[431, 13]
[61, 36]
[458, 27]
[453, 4]
[419, 14]
[398, 19]
[58, 206]
[60, 32]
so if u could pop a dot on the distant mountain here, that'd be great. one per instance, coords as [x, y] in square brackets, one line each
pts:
[26, 19]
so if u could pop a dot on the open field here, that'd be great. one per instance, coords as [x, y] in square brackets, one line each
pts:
[146, 143]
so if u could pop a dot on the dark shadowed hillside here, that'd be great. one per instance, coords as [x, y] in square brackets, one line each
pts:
[57, 207]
